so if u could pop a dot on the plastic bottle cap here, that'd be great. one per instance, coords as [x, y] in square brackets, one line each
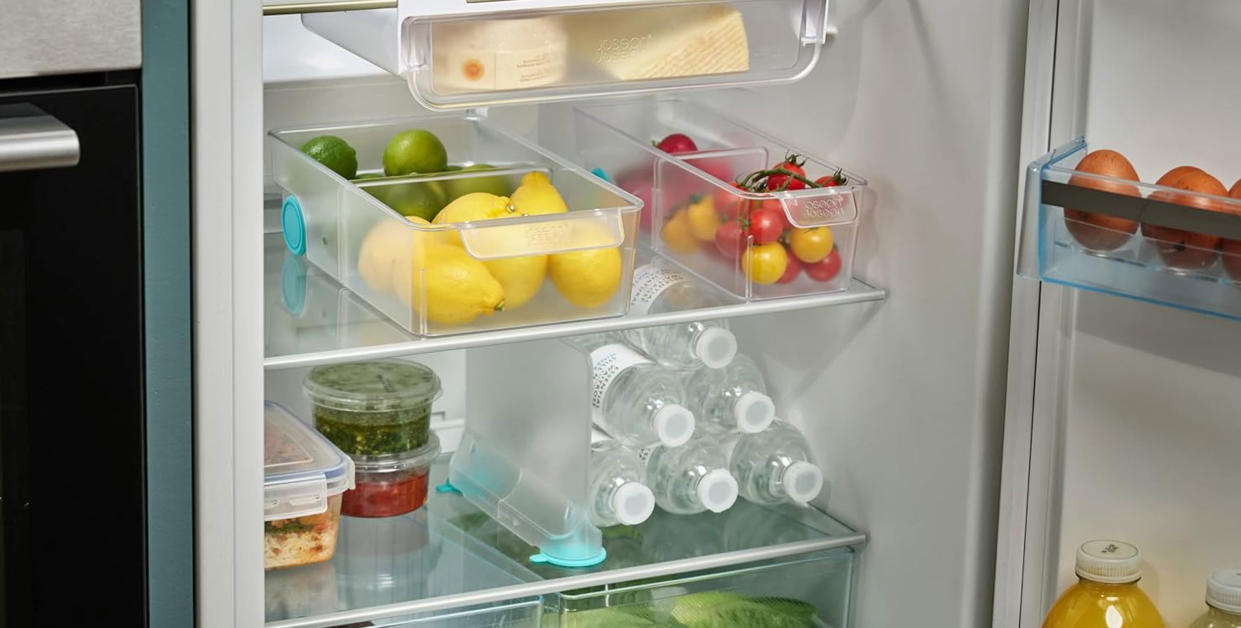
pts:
[633, 503]
[716, 347]
[1109, 562]
[803, 481]
[717, 490]
[754, 412]
[674, 425]
[1224, 590]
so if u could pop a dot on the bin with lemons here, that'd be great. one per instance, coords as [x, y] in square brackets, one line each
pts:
[454, 267]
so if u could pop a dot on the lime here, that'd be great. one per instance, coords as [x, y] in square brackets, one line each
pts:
[368, 175]
[414, 151]
[421, 199]
[497, 185]
[334, 153]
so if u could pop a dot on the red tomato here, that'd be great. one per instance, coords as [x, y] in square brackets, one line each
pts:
[728, 202]
[779, 181]
[766, 225]
[730, 239]
[827, 269]
[677, 143]
[791, 271]
[832, 180]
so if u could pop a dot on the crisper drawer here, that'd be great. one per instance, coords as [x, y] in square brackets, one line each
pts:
[1127, 238]
[457, 53]
[526, 255]
[800, 591]
[752, 241]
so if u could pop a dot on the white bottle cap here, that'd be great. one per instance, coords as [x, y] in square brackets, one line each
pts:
[717, 490]
[674, 425]
[803, 481]
[1109, 562]
[1224, 590]
[716, 347]
[633, 503]
[754, 412]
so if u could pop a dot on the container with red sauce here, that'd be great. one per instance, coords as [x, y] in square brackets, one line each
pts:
[390, 484]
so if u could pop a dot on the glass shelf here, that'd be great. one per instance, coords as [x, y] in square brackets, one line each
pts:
[311, 319]
[450, 564]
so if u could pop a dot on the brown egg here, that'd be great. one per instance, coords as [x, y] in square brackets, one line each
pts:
[1101, 232]
[1180, 248]
[1232, 248]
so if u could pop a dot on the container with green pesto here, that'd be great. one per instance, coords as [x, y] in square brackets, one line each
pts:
[373, 408]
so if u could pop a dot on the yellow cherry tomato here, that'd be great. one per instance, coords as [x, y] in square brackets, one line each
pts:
[677, 235]
[765, 263]
[703, 221]
[811, 245]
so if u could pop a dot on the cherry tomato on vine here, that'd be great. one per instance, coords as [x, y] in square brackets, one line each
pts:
[677, 143]
[766, 225]
[779, 181]
[832, 180]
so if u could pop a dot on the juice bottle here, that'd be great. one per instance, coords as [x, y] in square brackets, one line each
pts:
[1106, 594]
[1223, 601]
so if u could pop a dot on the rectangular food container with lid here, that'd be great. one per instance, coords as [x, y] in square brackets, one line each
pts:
[304, 476]
[438, 279]
[691, 202]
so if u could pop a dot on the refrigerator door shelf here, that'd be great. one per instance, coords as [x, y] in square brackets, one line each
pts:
[1186, 253]
[456, 53]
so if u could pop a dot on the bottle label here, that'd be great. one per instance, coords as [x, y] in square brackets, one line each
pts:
[608, 362]
[649, 282]
[644, 454]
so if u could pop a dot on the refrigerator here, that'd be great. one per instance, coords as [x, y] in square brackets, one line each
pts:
[979, 404]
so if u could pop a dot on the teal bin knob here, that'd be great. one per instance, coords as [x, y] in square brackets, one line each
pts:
[293, 285]
[293, 224]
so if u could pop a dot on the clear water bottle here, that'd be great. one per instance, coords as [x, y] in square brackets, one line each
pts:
[774, 466]
[619, 495]
[731, 399]
[1223, 601]
[691, 478]
[633, 399]
[682, 345]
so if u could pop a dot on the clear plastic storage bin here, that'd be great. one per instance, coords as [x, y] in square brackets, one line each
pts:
[457, 53]
[304, 476]
[690, 200]
[1190, 259]
[465, 276]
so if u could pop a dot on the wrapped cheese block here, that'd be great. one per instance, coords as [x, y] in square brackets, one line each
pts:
[497, 55]
[661, 42]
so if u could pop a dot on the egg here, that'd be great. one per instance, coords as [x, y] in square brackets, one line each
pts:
[1101, 232]
[1179, 248]
[1232, 248]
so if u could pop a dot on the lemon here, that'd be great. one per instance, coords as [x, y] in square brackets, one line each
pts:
[677, 234]
[334, 153]
[475, 206]
[586, 278]
[703, 221]
[536, 195]
[521, 277]
[386, 246]
[447, 285]
[414, 150]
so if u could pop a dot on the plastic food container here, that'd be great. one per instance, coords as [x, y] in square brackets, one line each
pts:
[303, 479]
[390, 485]
[375, 408]
[1186, 253]
[690, 200]
[517, 269]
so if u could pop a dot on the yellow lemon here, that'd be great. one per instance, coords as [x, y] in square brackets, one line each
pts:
[447, 285]
[586, 278]
[386, 247]
[474, 206]
[703, 221]
[677, 235]
[521, 277]
[536, 195]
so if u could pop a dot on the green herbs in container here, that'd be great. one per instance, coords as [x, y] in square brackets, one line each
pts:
[373, 408]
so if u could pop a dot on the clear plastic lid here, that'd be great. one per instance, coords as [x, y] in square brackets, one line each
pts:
[717, 490]
[392, 463]
[674, 425]
[754, 412]
[301, 469]
[376, 385]
[1109, 562]
[633, 503]
[803, 481]
[716, 347]
[1224, 590]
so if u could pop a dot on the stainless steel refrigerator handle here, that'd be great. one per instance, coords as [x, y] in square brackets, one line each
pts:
[31, 139]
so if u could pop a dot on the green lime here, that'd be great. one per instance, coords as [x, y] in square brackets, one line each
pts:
[414, 151]
[422, 199]
[497, 185]
[334, 153]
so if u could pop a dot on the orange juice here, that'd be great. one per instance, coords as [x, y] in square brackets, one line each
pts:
[1106, 594]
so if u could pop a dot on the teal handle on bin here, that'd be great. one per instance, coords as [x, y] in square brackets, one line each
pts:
[293, 225]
